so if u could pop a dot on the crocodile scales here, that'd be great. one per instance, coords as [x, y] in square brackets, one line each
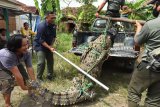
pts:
[91, 61]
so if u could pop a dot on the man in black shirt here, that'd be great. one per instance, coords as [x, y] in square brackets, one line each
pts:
[113, 8]
[46, 34]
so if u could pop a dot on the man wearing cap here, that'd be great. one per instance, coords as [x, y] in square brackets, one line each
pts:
[113, 7]
[46, 34]
[146, 76]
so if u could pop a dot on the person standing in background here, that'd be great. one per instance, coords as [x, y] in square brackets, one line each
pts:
[26, 31]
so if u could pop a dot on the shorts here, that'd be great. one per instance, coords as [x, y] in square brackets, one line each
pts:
[6, 86]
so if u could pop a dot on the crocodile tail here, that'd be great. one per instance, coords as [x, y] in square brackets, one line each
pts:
[69, 97]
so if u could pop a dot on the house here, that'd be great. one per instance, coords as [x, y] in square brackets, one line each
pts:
[10, 11]
[69, 18]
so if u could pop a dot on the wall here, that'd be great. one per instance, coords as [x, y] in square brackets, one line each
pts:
[12, 24]
[24, 18]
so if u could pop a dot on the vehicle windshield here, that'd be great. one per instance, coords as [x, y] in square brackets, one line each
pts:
[100, 23]
[122, 26]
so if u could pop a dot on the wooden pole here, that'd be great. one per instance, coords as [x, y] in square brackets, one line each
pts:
[122, 20]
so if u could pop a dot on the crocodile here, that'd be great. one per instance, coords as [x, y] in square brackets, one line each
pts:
[83, 88]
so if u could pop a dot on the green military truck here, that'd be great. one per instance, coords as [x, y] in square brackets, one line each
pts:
[122, 48]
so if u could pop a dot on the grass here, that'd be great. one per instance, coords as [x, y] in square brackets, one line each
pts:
[116, 79]
[63, 42]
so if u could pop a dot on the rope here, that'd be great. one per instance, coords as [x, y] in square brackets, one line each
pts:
[83, 90]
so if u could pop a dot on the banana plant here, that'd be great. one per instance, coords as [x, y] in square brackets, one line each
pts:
[37, 6]
[58, 10]
[49, 5]
[139, 11]
[85, 15]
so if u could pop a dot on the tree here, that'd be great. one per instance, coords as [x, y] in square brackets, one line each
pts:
[86, 1]
[68, 2]
[49, 5]
[86, 13]
[139, 10]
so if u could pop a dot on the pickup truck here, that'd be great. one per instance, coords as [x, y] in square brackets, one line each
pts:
[122, 48]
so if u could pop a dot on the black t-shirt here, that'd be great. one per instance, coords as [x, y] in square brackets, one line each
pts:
[114, 5]
[45, 33]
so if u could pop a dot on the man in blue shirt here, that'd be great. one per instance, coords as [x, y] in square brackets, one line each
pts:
[46, 34]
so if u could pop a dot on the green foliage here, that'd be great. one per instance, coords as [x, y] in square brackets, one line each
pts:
[69, 13]
[37, 6]
[62, 27]
[49, 5]
[63, 45]
[139, 11]
[58, 11]
[86, 1]
[63, 69]
[86, 13]
[84, 17]
[72, 16]
[63, 42]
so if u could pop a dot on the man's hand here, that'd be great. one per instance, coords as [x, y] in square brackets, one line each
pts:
[24, 87]
[138, 25]
[51, 49]
[34, 84]
[124, 7]
[97, 14]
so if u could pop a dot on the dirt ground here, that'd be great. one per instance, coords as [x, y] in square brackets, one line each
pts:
[117, 79]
